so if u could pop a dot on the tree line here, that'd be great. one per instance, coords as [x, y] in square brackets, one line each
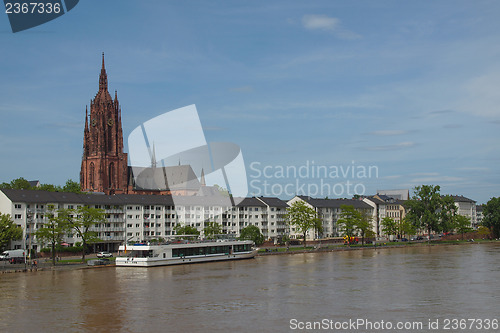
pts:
[426, 210]
[213, 229]
[23, 184]
[59, 223]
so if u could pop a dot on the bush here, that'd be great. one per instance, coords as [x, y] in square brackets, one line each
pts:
[59, 248]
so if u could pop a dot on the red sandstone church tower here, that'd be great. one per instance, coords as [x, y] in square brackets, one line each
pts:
[104, 164]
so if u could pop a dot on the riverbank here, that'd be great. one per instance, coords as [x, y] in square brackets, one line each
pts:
[67, 263]
[71, 263]
[341, 247]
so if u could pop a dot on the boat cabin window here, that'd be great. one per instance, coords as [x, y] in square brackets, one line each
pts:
[242, 248]
[200, 251]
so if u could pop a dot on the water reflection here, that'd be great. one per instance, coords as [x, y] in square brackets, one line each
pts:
[263, 294]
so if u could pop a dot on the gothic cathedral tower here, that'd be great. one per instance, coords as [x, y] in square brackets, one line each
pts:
[104, 164]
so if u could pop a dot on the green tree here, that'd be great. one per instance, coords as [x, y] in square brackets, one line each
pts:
[5, 186]
[252, 233]
[407, 228]
[448, 221]
[86, 218]
[20, 184]
[302, 217]
[53, 231]
[9, 231]
[348, 221]
[186, 230]
[483, 231]
[222, 191]
[462, 225]
[71, 186]
[318, 228]
[48, 188]
[365, 225]
[389, 226]
[491, 213]
[426, 208]
[212, 229]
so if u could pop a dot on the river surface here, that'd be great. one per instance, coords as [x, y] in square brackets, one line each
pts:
[277, 293]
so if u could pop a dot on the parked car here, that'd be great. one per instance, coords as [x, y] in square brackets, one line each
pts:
[104, 255]
[13, 256]
[17, 260]
[404, 239]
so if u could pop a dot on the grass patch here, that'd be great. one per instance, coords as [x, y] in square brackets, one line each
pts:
[283, 249]
[79, 260]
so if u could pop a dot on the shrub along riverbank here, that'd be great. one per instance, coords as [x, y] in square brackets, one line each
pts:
[342, 247]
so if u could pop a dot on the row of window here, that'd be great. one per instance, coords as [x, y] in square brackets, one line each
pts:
[158, 208]
[206, 250]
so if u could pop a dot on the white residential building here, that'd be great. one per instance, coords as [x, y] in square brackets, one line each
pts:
[133, 217]
[329, 212]
[466, 207]
[385, 206]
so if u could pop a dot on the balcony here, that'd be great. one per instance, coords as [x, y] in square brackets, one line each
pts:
[109, 229]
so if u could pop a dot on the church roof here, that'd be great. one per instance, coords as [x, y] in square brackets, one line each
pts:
[334, 203]
[181, 177]
[461, 198]
[33, 196]
[274, 202]
[251, 202]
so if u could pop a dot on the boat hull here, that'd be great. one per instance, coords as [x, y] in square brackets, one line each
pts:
[151, 262]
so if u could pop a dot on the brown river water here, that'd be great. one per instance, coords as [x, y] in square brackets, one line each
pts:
[428, 289]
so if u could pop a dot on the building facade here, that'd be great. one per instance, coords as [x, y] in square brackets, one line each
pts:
[104, 167]
[141, 217]
[386, 206]
[467, 208]
[329, 211]
[104, 164]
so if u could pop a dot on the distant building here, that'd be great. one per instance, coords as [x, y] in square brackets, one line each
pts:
[104, 167]
[34, 183]
[386, 206]
[479, 215]
[396, 194]
[142, 217]
[329, 212]
[277, 225]
[466, 207]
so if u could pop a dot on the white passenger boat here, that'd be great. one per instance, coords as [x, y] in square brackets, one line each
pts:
[184, 252]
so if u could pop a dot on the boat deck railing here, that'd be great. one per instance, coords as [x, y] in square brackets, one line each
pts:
[183, 241]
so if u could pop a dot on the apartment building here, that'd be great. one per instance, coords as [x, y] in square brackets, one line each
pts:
[385, 206]
[329, 212]
[142, 217]
[467, 208]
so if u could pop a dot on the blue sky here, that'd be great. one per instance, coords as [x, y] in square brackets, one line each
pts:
[409, 87]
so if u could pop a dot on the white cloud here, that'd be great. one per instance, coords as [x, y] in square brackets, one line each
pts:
[391, 177]
[320, 22]
[474, 169]
[328, 24]
[437, 179]
[389, 132]
[425, 174]
[397, 146]
[480, 95]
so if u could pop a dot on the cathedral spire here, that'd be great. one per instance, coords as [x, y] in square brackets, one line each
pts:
[86, 119]
[103, 78]
[104, 164]
[153, 157]
[202, 180]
